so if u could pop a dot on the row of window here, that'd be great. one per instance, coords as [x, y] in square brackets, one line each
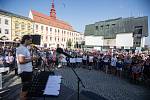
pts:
[59, 39]
[56, 30]
[106, 26]
[137, 43]
[23, 26]
[6, 31]
[6, 21]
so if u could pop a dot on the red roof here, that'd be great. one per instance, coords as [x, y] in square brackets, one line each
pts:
[47, 20]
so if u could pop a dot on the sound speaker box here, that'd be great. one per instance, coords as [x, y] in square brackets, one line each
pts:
[36, 39]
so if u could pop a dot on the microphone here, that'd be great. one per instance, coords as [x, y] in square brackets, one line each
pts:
[60, 50]
[33, 46]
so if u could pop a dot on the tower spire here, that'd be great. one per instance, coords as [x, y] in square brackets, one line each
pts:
[53, 11]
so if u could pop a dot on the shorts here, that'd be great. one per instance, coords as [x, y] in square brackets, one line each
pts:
[26, 79]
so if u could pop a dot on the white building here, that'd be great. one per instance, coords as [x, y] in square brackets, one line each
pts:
[124, 40]
[5, 26]
[53, 31]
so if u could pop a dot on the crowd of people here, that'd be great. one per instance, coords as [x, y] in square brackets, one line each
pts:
[135, 66]
[7, 57]
[25, 58]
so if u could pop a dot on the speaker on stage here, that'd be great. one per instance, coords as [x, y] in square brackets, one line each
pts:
[36, 39]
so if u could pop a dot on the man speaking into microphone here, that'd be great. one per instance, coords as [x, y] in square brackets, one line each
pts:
[24, 64]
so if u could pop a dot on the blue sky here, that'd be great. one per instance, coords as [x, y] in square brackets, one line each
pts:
[81, 12]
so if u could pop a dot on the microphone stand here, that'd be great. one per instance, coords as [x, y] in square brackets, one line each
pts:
[78, 78]
[60, 50]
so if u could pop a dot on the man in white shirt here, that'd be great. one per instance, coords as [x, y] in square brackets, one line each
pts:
[84, 59]
[24, 64]
[90, 61]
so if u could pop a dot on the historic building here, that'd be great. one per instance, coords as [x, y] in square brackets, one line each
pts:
[121, 32]
[21, 26]
[14, 26]
[53, 31]
[5, 26]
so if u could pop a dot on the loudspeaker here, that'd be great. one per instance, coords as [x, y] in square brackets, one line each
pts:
[36, 39]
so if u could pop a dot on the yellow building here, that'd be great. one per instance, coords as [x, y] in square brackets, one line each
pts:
[13, 26]
[21, 26]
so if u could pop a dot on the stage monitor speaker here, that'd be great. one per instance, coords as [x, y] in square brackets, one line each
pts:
[36, 39]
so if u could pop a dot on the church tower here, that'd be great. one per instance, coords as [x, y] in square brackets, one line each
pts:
[53, 11]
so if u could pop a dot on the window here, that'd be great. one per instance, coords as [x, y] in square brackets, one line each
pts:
[50, 38]
[36, 27]
[16, 25]
[6, 31]
[50, 29]
[46, 37]
[22, 26]
[113, 25]
[107, 26]
[23, 33]
[101, 27]
[138, 27]
[55, 30]
[96, 27]
[134, 42]
[46, 28]
[0, 30]
[42, 28]
[6, 21]
[29, 27]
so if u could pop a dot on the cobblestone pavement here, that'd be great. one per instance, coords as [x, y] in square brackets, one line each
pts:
[105, 85]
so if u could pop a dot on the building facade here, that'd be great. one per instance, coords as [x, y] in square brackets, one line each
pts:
[5, 26]
[21, 26]
[14, 26]
[53, 31]
[121, 32]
